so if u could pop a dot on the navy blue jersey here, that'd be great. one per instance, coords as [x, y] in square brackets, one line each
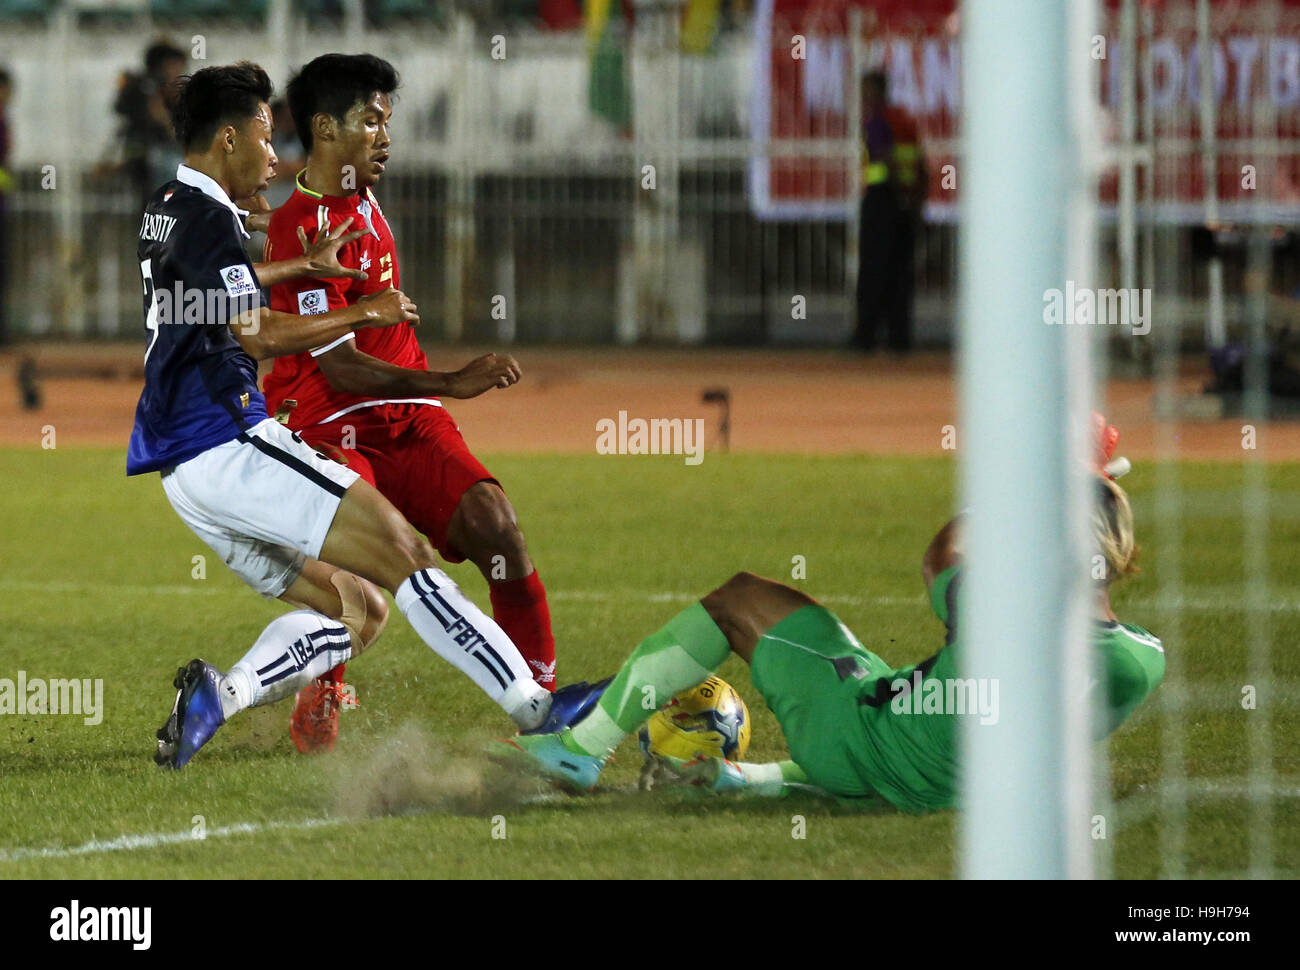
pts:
[200, 387]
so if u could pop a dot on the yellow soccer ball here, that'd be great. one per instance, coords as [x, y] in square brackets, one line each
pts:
[709, 720]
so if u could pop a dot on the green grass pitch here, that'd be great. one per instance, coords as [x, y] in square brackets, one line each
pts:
[96, 582]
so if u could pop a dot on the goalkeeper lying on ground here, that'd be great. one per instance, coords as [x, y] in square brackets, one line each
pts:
[851, 728]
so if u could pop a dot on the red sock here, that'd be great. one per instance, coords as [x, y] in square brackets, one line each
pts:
[519, 607]
[336, 675]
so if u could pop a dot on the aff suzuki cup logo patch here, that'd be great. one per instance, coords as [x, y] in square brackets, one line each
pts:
[312, 302]
[239, 282]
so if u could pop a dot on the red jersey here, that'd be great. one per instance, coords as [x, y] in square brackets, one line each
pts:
[298, 377]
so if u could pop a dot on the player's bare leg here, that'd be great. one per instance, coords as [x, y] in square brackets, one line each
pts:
[314, 725]
[485, 529]
[746, 606]
[681, 654]
[686, 651]
[317, 588]
[342, 615]
[370, 537]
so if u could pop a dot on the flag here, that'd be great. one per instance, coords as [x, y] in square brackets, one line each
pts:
[608, 91]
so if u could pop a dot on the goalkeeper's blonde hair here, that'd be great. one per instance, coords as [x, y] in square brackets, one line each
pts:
[1112, 530]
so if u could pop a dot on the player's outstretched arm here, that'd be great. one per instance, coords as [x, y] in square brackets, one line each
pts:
[351, 371]
[771, 780]
[776, 779]
[265, 333]
[319, 260]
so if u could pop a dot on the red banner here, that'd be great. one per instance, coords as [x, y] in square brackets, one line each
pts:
[804, 66]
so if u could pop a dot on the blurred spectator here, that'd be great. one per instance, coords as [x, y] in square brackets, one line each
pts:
[895, 183]
[150, 153]
[6, 186]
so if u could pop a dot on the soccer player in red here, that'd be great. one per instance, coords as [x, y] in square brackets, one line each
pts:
[369, 399]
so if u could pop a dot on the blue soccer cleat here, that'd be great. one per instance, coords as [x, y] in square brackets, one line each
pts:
[549, 756]
[195, 715]
[570, 704]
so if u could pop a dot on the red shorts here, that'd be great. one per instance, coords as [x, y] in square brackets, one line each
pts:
[414, 454]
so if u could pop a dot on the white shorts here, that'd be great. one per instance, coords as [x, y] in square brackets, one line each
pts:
[263, 501]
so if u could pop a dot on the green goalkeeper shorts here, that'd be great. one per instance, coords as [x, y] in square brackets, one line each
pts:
[812, 671]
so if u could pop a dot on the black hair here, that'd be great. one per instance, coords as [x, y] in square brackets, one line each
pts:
[216, 96]
[878, 80]
[333, 83]
[159, 53]
[5, 77]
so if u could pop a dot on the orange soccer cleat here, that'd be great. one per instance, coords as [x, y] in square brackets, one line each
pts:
[314, 725]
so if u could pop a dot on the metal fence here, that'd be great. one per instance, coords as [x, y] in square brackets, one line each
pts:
[506, 182]
[507, 185]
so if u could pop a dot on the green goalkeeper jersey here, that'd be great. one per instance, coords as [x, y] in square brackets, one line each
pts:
[910, 753]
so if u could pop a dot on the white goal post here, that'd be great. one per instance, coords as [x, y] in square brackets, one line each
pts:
[1028, 197]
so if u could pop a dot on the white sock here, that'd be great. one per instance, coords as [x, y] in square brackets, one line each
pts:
[460, 633]
[293, 650]
[764, 779]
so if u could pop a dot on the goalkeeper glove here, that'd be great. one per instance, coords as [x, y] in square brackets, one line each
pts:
[1105, 461]
[714, 775]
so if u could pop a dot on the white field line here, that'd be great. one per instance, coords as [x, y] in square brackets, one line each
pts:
[1136, 808]
[153, 840]
[1212, 601]
[1132, 810]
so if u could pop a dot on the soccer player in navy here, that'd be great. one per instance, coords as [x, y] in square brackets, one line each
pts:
[290, 522]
